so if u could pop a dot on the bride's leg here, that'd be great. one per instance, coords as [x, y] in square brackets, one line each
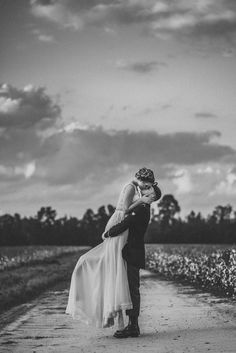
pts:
[92, 254]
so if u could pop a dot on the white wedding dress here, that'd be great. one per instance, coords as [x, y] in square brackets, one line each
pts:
[99, 289]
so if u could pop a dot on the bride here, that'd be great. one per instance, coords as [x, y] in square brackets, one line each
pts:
[99, 290]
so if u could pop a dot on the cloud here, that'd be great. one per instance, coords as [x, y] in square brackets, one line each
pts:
[36, 144]
[216, 25]
[27, 170]
[38, 151]
[227, 186]
[142, 67]
[207, 170]
[202, 186]
[59, 12]
[27, 116]
[17, 172]
[97, 154]
[8, 105]
[182, 180]
[45, 38]
[42, 37]
[77, 166]
[197, 18]
[205, 115]
[24, 108]
[73, 152]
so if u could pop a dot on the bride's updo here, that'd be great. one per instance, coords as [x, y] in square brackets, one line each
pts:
[145, 174]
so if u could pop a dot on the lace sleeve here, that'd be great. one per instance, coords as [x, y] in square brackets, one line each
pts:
[129, 193]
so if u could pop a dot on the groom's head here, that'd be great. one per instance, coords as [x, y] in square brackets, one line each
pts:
[153, 193]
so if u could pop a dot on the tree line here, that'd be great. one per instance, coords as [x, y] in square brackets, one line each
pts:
[165, 226]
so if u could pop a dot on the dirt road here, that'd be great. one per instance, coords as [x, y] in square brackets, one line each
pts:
[174, 319]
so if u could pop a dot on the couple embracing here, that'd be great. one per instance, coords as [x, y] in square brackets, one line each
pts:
[105, 282]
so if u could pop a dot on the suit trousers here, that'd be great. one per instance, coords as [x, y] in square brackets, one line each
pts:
[134, 285]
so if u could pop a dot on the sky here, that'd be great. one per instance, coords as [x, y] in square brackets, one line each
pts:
[93, 90]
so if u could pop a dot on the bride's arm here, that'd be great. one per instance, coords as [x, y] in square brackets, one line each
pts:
[129, 205]
[141, 200]
[128, 196]
[129, 193]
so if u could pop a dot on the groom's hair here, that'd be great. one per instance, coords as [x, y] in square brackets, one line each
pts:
[157, 191]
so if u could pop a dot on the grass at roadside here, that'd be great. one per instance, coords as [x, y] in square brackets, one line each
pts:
[21, 284]
[16, 256]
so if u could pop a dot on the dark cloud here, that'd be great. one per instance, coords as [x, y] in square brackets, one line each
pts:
[195, 18]
[34, 146]
[27, 107]
[218, 28]
[96, 153]
[142, 67]
[205, 115]
[67, 157]
[27, 115]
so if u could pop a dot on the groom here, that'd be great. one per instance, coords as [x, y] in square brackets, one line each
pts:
[134, 254]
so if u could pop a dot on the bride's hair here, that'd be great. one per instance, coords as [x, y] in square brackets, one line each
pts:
[157, 191]
[145, 174]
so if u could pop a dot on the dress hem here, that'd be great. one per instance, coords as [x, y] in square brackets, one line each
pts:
[108, 320]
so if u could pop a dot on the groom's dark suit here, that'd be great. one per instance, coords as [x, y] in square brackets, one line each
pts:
[134, 251]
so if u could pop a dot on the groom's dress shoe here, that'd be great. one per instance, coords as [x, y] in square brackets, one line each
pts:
[129, 331]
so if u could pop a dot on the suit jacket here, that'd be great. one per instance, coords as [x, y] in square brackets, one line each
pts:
[137, 222]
